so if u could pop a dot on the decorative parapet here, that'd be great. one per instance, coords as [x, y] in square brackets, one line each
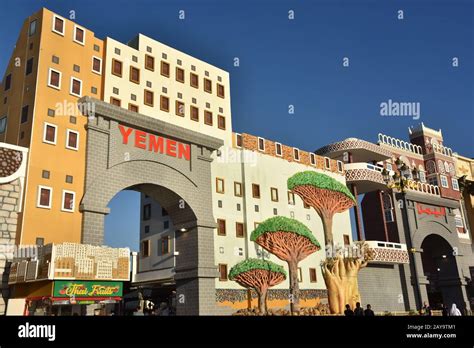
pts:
[387, 252]
[13, 161]
[441, 149]
[421, 187]
[364, 171]
[399, 144]
[351, 144]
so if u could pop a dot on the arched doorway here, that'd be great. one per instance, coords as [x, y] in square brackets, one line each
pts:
[440, 268]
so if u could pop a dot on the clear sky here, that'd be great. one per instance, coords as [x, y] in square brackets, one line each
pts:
[299, 62]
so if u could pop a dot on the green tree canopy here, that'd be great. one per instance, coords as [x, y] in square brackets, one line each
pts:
[255, 264]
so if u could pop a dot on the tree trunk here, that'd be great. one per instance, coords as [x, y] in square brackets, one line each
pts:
[294, 286]
[327, 228]
[262, 301]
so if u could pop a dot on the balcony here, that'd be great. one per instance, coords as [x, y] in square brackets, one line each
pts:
[360, 151]
[366, 176]
[388, 252]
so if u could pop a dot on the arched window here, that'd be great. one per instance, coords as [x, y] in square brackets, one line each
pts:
[388, 207]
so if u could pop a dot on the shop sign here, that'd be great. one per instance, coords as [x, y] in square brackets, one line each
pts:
[67, 288]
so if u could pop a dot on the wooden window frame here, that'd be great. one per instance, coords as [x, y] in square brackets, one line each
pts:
[147, 56]
[237, 224]
[131, 75]
[176, 73]
[163, 97]
[152, 98]
[205, 82]
[130, 106]
[112, 101]
[220, 117]
[220, 272]
[177, 105]
[217, 90]
[238, 184]
[311, 280]
[191, 74]
[253, 191]
[100, 62]
[113, 67]
[193, 107]
[206, 112]
[217, 185]
[162, 64]
[219, 233]
[274, 189]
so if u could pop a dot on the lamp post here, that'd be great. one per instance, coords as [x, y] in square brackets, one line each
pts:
[399, 180]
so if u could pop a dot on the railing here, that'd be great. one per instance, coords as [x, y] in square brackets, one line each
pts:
[400, 144]
[423, 187]
[351, 166]
[447, 151]
[387, 252]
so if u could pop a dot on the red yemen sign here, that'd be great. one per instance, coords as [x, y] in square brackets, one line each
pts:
[155, 143]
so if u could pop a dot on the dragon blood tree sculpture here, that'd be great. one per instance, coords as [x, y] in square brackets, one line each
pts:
[259, 275]
[290, 241]
[328, 196]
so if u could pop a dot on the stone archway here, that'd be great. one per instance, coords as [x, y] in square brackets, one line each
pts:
[126, 150]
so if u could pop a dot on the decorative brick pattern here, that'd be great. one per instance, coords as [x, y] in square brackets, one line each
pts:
[238, 295]
[10, 161]
[364, 174]
[353, 144]
[390, 255]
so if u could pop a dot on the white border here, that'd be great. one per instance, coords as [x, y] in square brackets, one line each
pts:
[281, 148]
[55, 133]
[73, 201]
[92, 67]
[441, 181]
[74, 35]
[329, 160]
[71, 85]
[49, 78]
[237, 135]
[312, 159]
[38, 199]
[258, 144]
[64, 25]
[296, 150]
[69, 131]
[454, 180]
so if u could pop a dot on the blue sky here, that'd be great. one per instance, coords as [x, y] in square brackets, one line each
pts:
[299, 62]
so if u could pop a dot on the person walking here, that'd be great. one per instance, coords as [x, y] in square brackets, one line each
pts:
[444, 308]
[348, 312]
[454, 312]
[369, 312]
[358, 311]
[426, 309]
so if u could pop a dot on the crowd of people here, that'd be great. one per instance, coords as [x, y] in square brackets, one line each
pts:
[358, 311]
[426, 310]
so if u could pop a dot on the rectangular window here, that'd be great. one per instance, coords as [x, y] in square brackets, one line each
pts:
[147, 212]
[208, 117]
[68, 201]
[164, 103]
[72, 140]
[8, 82]
[422, 176]
[340, 167]
[117, 67]
[58, 25]
[132, 107]
[220, 90]
[44, 197]
[278, 149]
[179, 106]
[147, 229]
[79, 35]
[444, 181]
[194, 80]
[207, 85]
[145, 248]
[24, 114]
[165, 245]
[300, 275]
[49, 135]
[115, 101]
[433, 181]
[221, 227]
[239, 230]
[148, 97]
[261, 144]
[194, 113]
[149, 62]
[179, 75]
[238, 140]
[97, 65]
[255, 191]
[164, 212]
[274, 194]
[388, 215]
[237, 189]
[165, 69]
[3, 124]
[54, 79]
[222, 272]
[221, 122]
[347, 240]
[76, 87]
[32, 30]
[312, 158]
[29, 66]
[296, 154]
[134, 74]
[220, 185]
[291, 198]
[327, 163]
[455, 184]
[312, 275]
[388, 166]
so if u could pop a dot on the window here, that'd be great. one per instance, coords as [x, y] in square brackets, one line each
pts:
[208, 117]
[116, 67]
[76, 68]
[165, 245]
[115, 101]
[179, 106]
[29, 66]
[221, 122]
[69, 179]
[222, 272]
[148, 97]
[261, 144]
[221, 227]
[39, 241]
[58, 25]
[3, 124]
[44, 197]
[291, 198]
[49, 135]
[54, 79]
[164, 103]
[134, 74]
[340, 167]
[327, 163]
[455, 184]
[166, 225]
[312, 275]
[32, 30]
[274, 194]
[239, 230]
[237, 189]
[389, 167]
[458, 218]
[312, 158]
[278, 149]
[165, 69]
[194, 113]
[433, 181]
[347, 240]
[147, 229]
[220, 90]
[194, 80]
[68, 201]
[24, 114]
[296, 154]
[388, 207]
[422, 176]
[149, 62]
[179, 75]
[76, 87]
[164, 212]
[444, 181]
[72, 140]
[8, 82]
[300, 275]
[219, 185]
[207, 85]
[132, 107]
[255, 191]
[79, 35]
[147, 212]
[238, 140]
[145, 248]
